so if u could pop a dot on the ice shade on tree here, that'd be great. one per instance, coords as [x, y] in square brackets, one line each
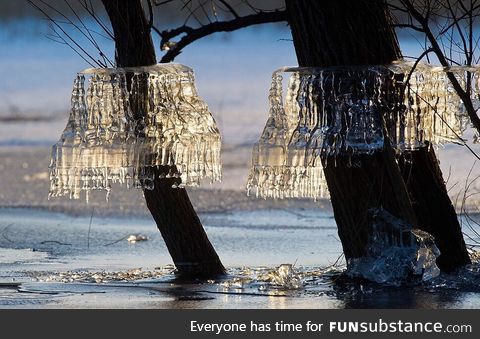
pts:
[351, 110]
[108, 140]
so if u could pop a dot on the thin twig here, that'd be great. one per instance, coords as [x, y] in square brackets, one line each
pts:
[4, 235]
[116, 241]
[89, 228]
[448, 125]
[150, 12]
[230, 8]
[464, 96]
[425, 53]
[53, 21]
[54, 242]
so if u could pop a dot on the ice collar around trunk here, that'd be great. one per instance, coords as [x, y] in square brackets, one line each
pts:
[125, 122]
[351, 110]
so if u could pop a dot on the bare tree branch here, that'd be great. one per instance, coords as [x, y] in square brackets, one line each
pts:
[424, 54]
[161, 3]
[80, 49]
[462, 93]
[91, 11]
[411, 26]
[230, 8]
[150, 12]
[193, 34]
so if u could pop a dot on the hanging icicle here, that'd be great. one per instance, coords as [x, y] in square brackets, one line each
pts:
[351, 110]
[126, 121]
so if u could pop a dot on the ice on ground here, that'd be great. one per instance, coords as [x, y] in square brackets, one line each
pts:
[396, 253]
[133, 238]
[286, 276]
[281, 278]
[98, 277]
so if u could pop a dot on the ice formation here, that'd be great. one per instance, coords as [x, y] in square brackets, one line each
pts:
[126, 122]
[286, 277]
[266, 280]
[331, 111]
[396, 253]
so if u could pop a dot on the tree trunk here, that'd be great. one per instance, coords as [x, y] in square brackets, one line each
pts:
[435, 212]
[186, 240]
[343, 32]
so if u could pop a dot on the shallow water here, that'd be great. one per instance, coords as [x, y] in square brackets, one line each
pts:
[52, 260]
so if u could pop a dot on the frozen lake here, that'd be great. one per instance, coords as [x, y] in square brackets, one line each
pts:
[52, 260]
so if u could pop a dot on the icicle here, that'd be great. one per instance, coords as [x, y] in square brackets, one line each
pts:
[107, 140]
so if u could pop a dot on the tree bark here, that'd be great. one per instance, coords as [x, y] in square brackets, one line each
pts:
[344, 32]
[435, 212]
[186, 240]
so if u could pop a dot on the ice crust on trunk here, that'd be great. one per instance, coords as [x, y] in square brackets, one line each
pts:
[348, 111]
[116, 135]
[396, 253]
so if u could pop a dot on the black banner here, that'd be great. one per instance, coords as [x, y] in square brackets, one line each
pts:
[240, 323]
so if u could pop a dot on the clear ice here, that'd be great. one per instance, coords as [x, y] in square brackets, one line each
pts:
[286, 277]
[396, 253]
[351, 110]
[282, 278]
[117, 135]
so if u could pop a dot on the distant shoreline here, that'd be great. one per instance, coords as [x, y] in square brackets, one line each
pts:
[23, 118]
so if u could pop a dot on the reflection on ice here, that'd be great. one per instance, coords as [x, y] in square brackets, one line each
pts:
[126, 121]
[351, 110]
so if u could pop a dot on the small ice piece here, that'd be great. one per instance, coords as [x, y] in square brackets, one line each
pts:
[133, 238]
[237, 283]
[285, 276]
[425, 264]
[474, 256]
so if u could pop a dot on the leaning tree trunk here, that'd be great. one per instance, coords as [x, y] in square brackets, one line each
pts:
[435, 212]
[346, 32]
[186, 240]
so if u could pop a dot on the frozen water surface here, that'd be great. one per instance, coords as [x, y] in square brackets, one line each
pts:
[275, 259]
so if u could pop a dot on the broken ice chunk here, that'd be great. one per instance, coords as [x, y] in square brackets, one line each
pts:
[136, 238]
[285, 276]
[396, 252]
